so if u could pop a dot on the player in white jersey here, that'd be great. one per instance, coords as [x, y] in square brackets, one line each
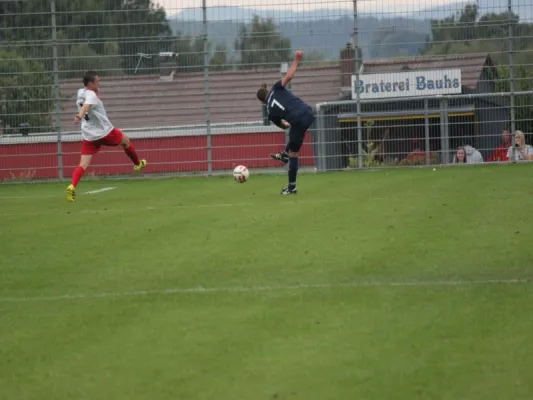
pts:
[96, 130]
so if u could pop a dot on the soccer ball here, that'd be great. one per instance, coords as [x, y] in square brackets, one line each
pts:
[241, 173]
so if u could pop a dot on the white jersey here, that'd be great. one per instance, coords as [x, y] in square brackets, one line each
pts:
[95, 125]
[514, 154]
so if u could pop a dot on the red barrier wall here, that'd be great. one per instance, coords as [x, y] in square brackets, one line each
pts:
[164, 154]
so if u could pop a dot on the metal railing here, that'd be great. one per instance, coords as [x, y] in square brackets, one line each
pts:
[190, 63]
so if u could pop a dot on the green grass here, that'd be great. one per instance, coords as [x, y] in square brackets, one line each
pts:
[370, 285]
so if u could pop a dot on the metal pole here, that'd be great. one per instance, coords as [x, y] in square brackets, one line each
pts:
[443, 154]
[511, 65]
[445, 135]
[426, 127]
[284, 68]
[56, 92]
[357, 94]
[406, 99]
[137, 66]
[206, 92]
[321, 140]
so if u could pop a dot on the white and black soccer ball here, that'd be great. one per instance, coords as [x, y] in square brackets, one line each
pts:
[241, 173]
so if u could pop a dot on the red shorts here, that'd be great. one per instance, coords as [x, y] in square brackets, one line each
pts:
[113, 138]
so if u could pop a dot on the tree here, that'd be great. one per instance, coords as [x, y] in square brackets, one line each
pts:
[75, 59]
[191, 53]
[190, 50]
[468, 33]
[141, 27]
[261, 45]
[136, 26]
[26, 94]
[398, 41]
[219, 60]
[105, 35]
[314, 58]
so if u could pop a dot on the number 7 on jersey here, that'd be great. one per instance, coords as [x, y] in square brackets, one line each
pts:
[274, 102]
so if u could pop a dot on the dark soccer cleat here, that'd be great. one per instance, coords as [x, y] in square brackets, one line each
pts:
[288, 191]
[282, 157]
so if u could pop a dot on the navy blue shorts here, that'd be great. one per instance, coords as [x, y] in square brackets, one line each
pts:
[298, 131]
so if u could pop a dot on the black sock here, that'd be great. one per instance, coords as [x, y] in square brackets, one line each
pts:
[293, 171]
[287, 148]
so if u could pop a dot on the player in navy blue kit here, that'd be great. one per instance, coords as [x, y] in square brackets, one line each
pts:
[287, 110]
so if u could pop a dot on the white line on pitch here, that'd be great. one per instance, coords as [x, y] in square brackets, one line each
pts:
[106, 189]
[257, 289]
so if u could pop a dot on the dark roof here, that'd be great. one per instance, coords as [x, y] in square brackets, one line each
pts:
[471, 65]
[148, 101]
[151, 102]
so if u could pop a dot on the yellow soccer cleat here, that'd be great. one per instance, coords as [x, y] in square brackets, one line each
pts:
[71, 193]
[138, 168]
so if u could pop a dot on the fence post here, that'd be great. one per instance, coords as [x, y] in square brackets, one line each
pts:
[444, 138]
[511, 65]
[284, 68]
[207, 99]
[56, 92]
[426, 127]
[319, 138]
[357, 94]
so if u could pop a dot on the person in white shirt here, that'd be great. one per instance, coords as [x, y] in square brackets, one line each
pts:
[96, 130]
[467, 155]
[520, 151]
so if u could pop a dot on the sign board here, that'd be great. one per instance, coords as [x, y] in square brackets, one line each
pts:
[408, 84]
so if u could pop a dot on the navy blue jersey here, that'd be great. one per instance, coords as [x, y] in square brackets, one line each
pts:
[282, 104]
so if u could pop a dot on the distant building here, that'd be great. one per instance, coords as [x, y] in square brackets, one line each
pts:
[453, 122]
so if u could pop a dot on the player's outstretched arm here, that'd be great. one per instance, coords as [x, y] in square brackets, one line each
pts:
[292, 70]
[81, 114]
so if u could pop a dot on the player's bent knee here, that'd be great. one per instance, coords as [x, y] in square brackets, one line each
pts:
[85, 161]
[125, 141]
[294, 148]
[293, 154]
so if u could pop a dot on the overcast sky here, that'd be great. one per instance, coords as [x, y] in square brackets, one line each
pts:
[377, 6]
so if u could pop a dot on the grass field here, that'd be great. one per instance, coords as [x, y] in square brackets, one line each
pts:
[399, 284]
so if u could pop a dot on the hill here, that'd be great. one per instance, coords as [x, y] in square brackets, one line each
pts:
[328, 36]
[236, 14]
[328, 30]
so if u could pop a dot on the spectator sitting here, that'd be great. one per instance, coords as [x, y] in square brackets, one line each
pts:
[460, 156]
[500, 154]
[471, 155]
[520, 151]
[417, 156]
